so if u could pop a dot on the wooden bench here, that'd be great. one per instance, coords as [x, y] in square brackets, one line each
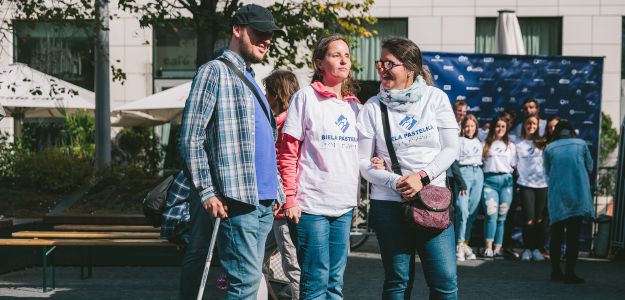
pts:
[85, 235]
[88, 227]
[50, 240]
[95, 219]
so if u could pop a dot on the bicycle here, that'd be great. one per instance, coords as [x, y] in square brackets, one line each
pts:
[361, 226]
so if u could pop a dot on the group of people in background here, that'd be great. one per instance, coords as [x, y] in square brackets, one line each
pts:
[543, 163]
[287, 164]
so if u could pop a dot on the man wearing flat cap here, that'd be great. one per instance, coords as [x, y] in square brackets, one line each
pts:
[227, 139]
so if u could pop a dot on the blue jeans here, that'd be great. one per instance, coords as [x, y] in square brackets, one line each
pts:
[322, 248]
[398, 244]
[467, 205]
[496, 200]
[240, 242]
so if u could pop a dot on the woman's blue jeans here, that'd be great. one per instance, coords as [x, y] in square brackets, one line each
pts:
[322, 249]
[398, 243]
[467, 205]
[496, 200]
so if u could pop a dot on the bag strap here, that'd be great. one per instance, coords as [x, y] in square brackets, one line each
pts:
[251, 86]
[386, 127]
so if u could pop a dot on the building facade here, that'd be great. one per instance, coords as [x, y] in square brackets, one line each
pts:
[155, 59]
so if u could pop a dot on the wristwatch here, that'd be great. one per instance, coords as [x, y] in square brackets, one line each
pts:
[425, 179]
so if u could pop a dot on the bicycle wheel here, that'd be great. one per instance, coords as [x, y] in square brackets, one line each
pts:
[360, 229]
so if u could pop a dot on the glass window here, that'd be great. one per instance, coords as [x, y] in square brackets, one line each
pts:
[64, 51]
[368, 51]
[540, 35]
[623, 51]
[175, 50]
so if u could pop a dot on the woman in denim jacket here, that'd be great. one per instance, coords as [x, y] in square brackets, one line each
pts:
[568, 165]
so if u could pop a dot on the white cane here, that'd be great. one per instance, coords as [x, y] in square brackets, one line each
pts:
[208, 258]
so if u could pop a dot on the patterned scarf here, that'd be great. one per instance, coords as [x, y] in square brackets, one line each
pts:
[403, 100]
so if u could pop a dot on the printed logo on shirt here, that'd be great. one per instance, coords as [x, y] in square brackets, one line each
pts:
[338, 135]
[342, 123]
[408, 122]
[531, 150]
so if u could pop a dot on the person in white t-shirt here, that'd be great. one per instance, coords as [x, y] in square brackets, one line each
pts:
[499, 157]
[318, 161]
[530, 108]
[468, 200]
[424, 135]
[532, 183]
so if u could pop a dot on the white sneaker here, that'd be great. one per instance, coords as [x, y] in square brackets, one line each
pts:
[537, 256]
[468, 252]
[526, 255]
[488, 253]
[459, 253]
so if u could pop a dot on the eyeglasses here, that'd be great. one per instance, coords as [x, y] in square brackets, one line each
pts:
[386, 64]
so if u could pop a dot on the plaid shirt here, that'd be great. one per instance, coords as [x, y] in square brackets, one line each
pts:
[177, 206]
[217, 134]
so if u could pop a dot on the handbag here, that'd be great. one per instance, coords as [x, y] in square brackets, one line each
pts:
[429, 208]
[154, 202]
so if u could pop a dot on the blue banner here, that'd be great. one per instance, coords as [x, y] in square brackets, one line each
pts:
[564, 86]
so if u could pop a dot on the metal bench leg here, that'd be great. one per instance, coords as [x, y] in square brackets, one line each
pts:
[48, 252]
[89, 262]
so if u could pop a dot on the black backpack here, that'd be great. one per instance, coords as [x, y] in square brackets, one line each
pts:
[155, 201]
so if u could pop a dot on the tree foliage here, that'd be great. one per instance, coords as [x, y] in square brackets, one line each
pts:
[609, 138]
[305, 21]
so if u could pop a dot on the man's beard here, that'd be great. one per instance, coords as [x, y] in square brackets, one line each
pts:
[247, 52]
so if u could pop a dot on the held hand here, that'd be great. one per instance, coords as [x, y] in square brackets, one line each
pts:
[378, 163]
[293, 213]
[276, 208]
[462, 192]
[409, 185]
[216, 207]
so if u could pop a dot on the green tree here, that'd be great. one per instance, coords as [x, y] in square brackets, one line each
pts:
[609, 138]
[304, 20]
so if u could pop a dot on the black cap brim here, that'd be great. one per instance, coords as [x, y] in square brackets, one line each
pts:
[267, 27]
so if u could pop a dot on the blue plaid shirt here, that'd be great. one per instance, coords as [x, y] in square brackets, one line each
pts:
[177, 206]
[217, 134]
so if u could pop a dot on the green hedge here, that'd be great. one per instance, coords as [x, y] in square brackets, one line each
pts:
[51, 170]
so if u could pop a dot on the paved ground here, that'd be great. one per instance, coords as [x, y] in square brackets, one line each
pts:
[478, 279]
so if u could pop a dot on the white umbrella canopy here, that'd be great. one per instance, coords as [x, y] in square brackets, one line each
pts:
[163, 107]
[28, 93]
[508, 38]
[32, 94]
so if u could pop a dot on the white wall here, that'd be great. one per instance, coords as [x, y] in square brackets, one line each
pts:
[589, 28]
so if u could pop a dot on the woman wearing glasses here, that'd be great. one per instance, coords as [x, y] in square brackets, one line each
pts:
[425, 137]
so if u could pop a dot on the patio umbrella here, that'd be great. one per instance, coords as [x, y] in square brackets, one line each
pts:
[156, 109]
[508, 38]
[28, 93]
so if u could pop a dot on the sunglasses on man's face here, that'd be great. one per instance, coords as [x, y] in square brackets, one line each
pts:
[386, 64]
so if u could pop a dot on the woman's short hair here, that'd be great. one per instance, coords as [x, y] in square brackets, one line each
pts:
[564, 129]
[281, 84]
[350, 85]
[410, 55]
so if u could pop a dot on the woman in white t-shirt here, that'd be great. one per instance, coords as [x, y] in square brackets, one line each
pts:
[425, 137]
[499, 156]
[468, 200]
[532, 183]
[318, 162]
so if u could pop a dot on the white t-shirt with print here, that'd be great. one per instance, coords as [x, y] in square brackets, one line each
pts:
[328, 175]
[530, 165]
[415, 135]
[470, 153]
[501, 158]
